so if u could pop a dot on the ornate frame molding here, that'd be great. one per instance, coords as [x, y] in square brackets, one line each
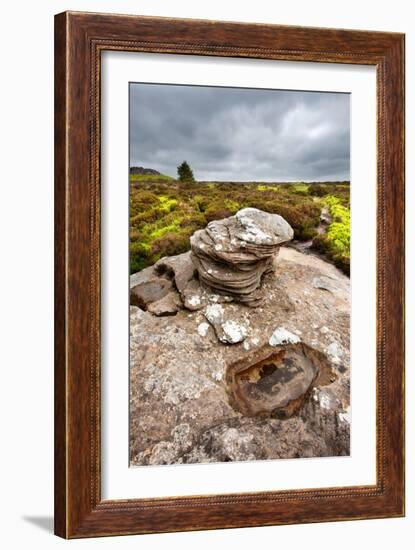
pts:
[79, 40]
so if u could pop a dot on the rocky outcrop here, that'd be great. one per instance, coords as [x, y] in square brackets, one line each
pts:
[228, 261]
[144, 171]
[219, 381]
[233, 255]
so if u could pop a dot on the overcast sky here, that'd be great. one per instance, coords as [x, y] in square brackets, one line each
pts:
[238, 134]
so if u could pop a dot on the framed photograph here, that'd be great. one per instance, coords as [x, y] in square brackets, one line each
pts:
[229, 275]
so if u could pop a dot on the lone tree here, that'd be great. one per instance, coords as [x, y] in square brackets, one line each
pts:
[185, 172]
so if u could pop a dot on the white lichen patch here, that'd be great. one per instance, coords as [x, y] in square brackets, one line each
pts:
[335, 352]
[217, 375]
[325, 401]
[246, 345]
[344, 416]
[194, 300]
[322, 398]
[253, 233]
[283, 336]
[214, 313]
[233, 332]
[202, 329]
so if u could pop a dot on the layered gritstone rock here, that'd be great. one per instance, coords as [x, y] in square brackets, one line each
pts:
[232, 255]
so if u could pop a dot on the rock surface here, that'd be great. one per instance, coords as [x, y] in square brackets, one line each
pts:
[168, 305]
[227, 329]
[232, 255]
[195, 376]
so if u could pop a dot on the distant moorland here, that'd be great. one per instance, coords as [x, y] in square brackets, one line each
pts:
[165, 212]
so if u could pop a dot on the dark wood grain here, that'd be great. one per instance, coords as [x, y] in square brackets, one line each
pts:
[79, 40]
[60, 276]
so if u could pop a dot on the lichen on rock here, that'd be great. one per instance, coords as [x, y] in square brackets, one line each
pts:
[232, 255]
[228, 330]
[282, 336]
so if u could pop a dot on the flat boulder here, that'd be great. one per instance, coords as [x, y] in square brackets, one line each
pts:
[145, 293]
[170, 304]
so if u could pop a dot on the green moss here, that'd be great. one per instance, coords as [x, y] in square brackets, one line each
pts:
[336, 242]
[160, 231]
[338, 233]
[167, 204]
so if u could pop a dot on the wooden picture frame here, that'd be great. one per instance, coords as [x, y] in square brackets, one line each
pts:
[79, 40]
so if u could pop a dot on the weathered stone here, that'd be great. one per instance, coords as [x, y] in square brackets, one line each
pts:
[142, 276]
[180, 374]
[325, 216]
[179, 268]
[149, 291]
[228, 329]
[233, 255]
[325, 283]
[283, 336]
[170, 304]
[203, 329]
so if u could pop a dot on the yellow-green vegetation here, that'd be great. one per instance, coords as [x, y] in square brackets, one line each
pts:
[167, 204]
[165, 213]
[335, 243]
[300, 188]
[266, 188]
[150, 177]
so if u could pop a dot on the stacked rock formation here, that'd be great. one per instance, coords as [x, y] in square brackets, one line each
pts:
[232, 255]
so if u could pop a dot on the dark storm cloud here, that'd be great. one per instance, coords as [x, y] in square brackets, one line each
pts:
[240, 134]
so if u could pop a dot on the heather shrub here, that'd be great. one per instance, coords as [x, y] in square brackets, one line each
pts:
[170, 244]
[164, 214]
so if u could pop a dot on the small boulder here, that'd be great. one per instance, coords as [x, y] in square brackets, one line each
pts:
[170, 304]
[228, 330]
[146, 292]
